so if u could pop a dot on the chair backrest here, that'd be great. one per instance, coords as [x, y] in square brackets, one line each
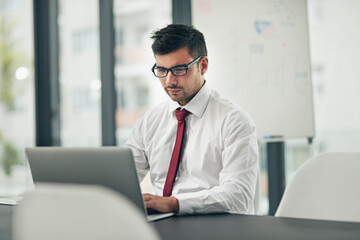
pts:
[326, 187]
[67, 211]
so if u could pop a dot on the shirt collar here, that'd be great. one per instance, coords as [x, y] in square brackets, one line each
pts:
[197, 104]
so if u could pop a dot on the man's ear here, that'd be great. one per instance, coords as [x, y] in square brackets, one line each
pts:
[204, 63]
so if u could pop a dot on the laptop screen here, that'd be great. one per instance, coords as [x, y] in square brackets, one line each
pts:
[112, 167]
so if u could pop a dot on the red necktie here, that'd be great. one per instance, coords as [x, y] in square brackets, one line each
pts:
[175, 159]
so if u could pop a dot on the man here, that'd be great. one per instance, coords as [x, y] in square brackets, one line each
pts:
[214, 169]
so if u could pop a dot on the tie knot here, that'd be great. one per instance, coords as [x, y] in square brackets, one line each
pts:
[181, 114]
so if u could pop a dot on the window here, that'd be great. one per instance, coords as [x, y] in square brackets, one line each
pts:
[17, 120]
[137, 88]
[85, 40]
[80, 87]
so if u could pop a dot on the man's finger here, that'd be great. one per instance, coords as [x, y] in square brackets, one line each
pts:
[147, 196]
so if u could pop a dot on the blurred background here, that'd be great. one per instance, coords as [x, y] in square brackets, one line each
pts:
[76, 91]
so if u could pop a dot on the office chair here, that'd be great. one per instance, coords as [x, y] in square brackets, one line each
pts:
[66, 211]
[326, 187]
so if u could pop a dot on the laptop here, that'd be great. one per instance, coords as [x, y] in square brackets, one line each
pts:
[112, 167]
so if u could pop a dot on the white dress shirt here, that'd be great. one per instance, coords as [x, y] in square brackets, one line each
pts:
[219, 164]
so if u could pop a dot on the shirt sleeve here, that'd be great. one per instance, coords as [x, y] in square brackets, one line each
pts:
[137, 146]
[237, 179]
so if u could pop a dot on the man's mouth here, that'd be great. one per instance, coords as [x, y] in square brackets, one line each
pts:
[173, 90]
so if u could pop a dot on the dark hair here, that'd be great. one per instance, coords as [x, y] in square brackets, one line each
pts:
[176, 36]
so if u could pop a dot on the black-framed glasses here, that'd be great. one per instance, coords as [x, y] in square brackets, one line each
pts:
[179, 70]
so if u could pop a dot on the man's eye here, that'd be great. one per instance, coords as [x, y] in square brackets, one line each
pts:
[179, 70]
[161, 70]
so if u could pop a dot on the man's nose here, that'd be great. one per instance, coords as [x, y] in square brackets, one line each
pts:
[170, 79]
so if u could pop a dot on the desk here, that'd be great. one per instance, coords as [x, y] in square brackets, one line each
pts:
[234, 226]
[5, 222]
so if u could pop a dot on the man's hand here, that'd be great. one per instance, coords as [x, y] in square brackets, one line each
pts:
[155, 203]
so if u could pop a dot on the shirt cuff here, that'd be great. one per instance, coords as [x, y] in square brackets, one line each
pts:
[189, 203]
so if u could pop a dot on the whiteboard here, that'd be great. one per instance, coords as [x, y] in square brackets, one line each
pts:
[259, 58]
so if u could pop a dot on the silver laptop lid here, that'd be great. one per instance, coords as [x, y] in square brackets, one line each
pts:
[112, 167]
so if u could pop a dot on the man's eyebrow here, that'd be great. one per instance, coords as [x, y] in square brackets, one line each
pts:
[181, 65]
[159, 66]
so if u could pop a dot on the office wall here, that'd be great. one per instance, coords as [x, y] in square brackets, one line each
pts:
[335, 57]
[335, 54]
